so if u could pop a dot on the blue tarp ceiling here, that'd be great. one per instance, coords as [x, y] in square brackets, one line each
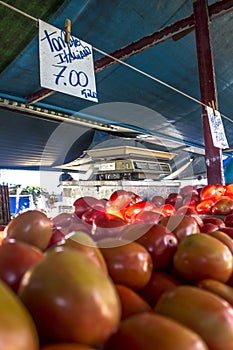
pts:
[131, 105]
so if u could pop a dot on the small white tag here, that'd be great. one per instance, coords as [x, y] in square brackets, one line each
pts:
[217, 128]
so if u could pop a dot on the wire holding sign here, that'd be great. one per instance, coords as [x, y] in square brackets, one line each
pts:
[66, 67]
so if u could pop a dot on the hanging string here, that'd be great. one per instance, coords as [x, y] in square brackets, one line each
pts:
[157, 80]
[126, 64]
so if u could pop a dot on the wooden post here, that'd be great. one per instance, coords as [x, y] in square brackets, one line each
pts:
[213, 155]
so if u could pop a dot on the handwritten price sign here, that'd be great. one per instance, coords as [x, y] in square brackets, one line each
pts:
[217, 128]
[66, 68]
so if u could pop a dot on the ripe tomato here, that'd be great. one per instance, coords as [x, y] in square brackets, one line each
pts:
[188, 191]
[229, 190]
[129, 264]
[85, 203]
[214, 220]
[209, 227]
[205, 207]
[70, 299]
[67, 346]
[205, 313]
[148, 217]
[130, 213]
[151, 331]
[131, 302]
[32, 227]
[174, 199]
[223, 206]
[189, 211]
[212, 192]
[17, 329]
[218, 288]
[168, 209]
[107, 225]
[119, 199]
[158, 200]
[16, 258]
[180, 225]
[191, 201]
[159, 282]
[228, 220]
[224, 238]
[202, 256]
[161, 244]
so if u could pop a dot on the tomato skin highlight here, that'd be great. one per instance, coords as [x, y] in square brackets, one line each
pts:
[205, 313]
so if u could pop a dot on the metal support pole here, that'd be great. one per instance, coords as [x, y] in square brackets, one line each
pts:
[213, 155]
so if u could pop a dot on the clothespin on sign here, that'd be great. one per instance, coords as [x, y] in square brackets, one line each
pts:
[212, 105]
[67, 30]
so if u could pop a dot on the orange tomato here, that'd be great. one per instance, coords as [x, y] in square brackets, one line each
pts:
[205, 313]
[202, 256]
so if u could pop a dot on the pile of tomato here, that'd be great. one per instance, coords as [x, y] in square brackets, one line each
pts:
[121, 273]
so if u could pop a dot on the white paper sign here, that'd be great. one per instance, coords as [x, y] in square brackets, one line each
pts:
[217, 128]
[66, 68]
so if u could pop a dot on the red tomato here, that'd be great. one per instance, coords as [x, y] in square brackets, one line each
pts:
[135, 198]
[131, 302]
[158, 200]
[159, 283]
[148, 217]
[149, 330]
[119, 199]
[189, 211]
[205, 313]
[209, 227]
[224, 238]
[130, 213]
[228, 220]
[212, 192]
[188, 191]
[168, 209]
[181, 225]
[129, 264]
[229, 190]
[205, 207]
[32, 227]
[174, 199]
[228, 231]
[66, 346]
[89, 216]
[161, 244]
[213, 220]
[16, 258]
[85, 203]
[202, 256]
[191, 201]
[107, 225]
